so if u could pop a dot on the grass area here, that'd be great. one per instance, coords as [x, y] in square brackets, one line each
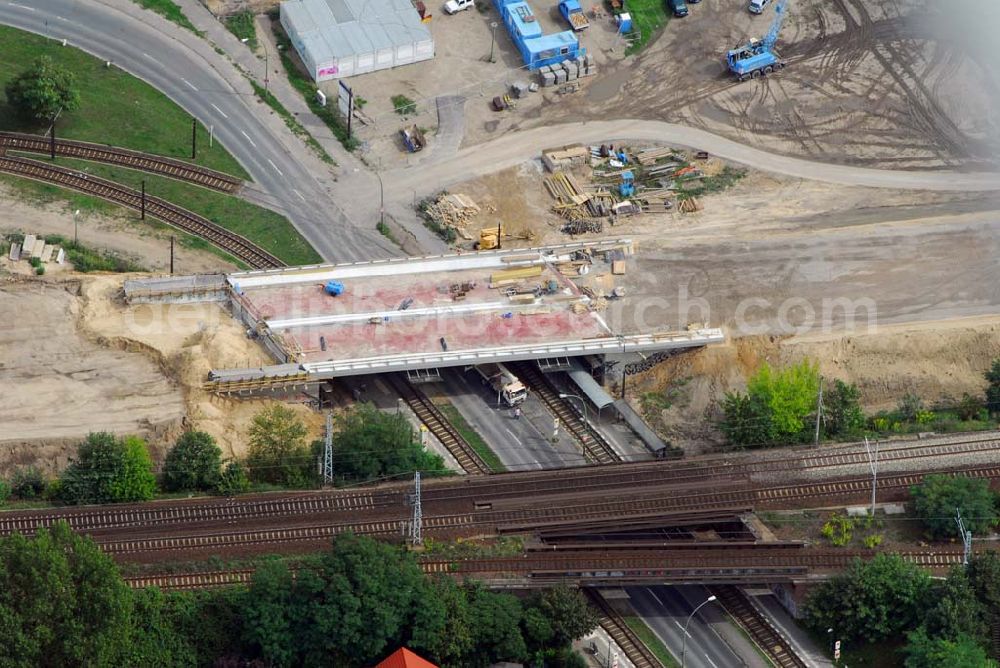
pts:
[242, 25]
[262, 226]
[473, 548]
[169, 10]
[648, 18]
[86, 259]
[650, 639]
[403, 105]
[115, 107]
[472, 437]
[268, 98]
[307, 88]
[384, 230]
[727, 178]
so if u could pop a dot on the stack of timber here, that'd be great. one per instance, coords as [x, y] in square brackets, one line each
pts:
[649, 156]
[454, 210]
[573, 201]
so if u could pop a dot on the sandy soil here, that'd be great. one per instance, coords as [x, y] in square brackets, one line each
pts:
[188, 340]
[146, 244]
[60, 382]
[938, 361]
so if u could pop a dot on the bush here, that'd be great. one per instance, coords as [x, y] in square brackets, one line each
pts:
[27, 483]
[775, 406]
[233, 480]
[937, 498]
[968, 408]
[193, 463]
[838, 530]
[842, 415]
[278, 452]
[109, 469]
[403, 105]
[40, 270]
[909, 406]
[4, 491]
[993, 388]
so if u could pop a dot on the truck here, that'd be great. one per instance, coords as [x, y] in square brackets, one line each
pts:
[508, 388]
[456, 6]
[573, 13]
[757, 57]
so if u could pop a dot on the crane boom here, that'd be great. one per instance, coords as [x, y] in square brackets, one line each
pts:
[779, 18]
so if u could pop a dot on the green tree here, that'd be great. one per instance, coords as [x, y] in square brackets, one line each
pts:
[193, 463]
[42, 91]
[984, 575]
[441, 624]
[277, 451]
[923, 651]
[268, 614]
[870, 600]
[369, 444]
[790, 394]
[993, 388]
[233, 480]
[956, 611]
[568, 612]
[938, 496]
[496, 629]
[155, 638]
[109, 469]
[842, 414]
[747, 420]
[62, 602]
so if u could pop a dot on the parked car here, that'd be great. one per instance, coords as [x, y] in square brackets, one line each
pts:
[456, 6]
[757, 6]
[678, 7]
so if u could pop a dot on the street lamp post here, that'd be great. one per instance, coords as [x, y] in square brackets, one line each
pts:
[493, 41]
[563, 395]
[685, 634]
[76, 234]
[381, 196]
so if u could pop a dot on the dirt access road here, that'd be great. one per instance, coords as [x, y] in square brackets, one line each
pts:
[905, 84]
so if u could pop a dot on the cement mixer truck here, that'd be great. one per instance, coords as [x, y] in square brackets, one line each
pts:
[506, 385]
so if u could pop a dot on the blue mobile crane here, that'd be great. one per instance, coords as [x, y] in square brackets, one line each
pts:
[758, 57]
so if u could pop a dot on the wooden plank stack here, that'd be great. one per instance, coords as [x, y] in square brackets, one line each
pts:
[454, 210]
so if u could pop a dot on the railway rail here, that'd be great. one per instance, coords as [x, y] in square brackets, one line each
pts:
[238, 246]
[595, 447]
[635, 650]
[761, 631]
[435, 421]
[112, 155]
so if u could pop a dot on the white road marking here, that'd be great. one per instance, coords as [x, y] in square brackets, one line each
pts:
[274, 166]
[14, 4]
[682, 628]
[298, 194]
[220, 111]
[189, 84]
[514, 436]
[658, 599]
[59, 18]
[709, 659]
[148, 56]
[248, 138]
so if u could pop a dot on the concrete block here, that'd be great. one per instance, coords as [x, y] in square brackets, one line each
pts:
[560, 76]
[548, 78]
[581, 67]
[571, 71]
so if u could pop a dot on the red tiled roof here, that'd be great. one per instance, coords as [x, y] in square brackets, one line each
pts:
[404, 658]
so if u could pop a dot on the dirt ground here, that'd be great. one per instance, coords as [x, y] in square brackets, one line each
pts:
[147, 245]
[886, 83]
[60, 382]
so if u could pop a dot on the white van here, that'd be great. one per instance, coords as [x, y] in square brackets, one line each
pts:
[757, 6]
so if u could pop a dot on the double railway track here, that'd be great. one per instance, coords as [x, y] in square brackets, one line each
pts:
[760, 630]
[238, 246]
[595, 447]
[635, 650]
[435, 421]
[111, 155]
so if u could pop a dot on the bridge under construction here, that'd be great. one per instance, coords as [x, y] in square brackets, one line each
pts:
[412, 314]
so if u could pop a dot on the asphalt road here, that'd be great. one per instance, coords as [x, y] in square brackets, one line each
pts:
[209, 88]
[521, 444]
[665, 610]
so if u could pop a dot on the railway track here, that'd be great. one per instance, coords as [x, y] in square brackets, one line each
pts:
[616, 628]
[595, 447]
[438, 424]
[145, 162]
[238, 246]
[761, 631]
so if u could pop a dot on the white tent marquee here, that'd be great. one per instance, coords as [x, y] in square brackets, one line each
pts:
[342, 38]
